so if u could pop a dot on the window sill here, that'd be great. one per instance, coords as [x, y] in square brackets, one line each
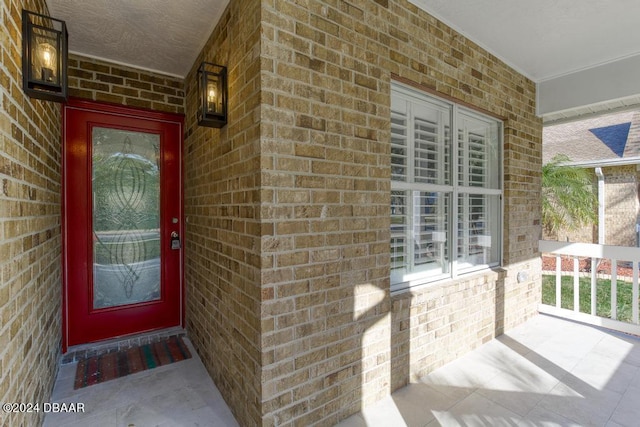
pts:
[492, 274]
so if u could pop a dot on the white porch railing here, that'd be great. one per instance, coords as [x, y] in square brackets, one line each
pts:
[594, 253]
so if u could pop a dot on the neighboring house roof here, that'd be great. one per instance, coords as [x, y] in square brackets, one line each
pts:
[608, 139]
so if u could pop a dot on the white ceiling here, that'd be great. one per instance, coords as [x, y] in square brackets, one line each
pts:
[159, 35]
[542, 39]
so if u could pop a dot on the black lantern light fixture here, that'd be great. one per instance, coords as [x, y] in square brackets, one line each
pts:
[212, 94]
[44, 57]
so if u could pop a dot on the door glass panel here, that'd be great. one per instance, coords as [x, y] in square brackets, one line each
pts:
[126, 217]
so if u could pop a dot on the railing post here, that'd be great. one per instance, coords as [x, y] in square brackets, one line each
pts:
[576, 285]
[593, 286]
[634, 299]
[558, 281]
[614, 289]
[629, 278]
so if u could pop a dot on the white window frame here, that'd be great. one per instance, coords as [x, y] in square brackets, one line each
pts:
[400, 279]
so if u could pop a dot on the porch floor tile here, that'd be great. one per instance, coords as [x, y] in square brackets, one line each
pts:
[546, 372]
[178, 394]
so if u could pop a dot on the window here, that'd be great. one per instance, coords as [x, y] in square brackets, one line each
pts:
[446, 189]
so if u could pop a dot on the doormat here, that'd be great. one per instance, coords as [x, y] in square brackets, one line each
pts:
[105, 367]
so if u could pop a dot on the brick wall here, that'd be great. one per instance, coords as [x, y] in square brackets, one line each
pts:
[99, 80]
[288, 207]
[336, 338]
[222, 209]
[287, 249]
[30, 273]
[327, 348]
[621, 205]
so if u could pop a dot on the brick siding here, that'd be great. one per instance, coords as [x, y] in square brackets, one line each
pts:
[222, 209]
[30, 245]
[288, 209]
[287, 234]
[621, 205]
[99, 80]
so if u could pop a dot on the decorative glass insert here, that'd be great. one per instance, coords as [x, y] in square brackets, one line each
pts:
[126, 217]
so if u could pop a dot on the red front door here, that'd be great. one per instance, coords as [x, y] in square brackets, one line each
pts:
[122, 221]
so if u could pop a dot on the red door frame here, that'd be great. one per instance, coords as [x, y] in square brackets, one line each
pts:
[77, 222]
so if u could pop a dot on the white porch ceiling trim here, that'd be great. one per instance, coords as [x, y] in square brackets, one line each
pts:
[605, 88]
[580, 53]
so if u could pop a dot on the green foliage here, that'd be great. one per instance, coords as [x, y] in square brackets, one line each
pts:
[568, 197]
[624, 300]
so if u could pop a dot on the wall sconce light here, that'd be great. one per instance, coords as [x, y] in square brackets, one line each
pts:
[44, 57]
[212, 94]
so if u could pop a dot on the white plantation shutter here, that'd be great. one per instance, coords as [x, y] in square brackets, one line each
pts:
[428, 151]
[399, 200]
[399, 147]
[431, 144]
[477, 159]
[399, 229]
[442, 224]
[478, 152]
